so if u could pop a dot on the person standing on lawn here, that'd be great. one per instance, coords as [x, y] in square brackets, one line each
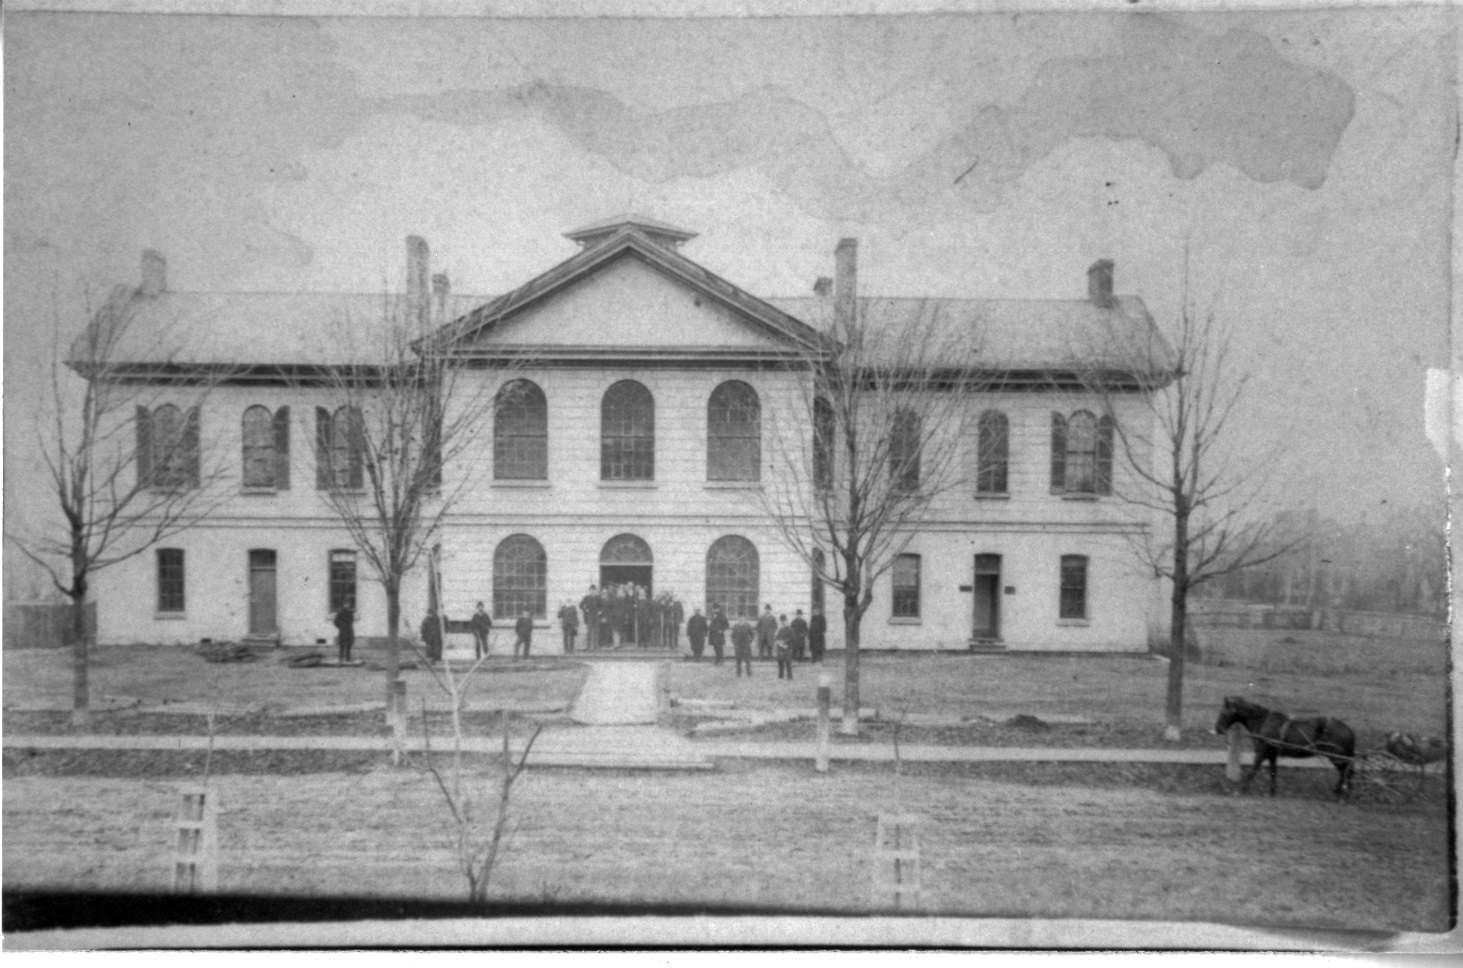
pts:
[569, 621]
[742, 635]
[677, 616]
[766, 633]
[481, 624]
[817, 636]
[718, 628]
[432, 636]
[523, 629]
[345, 628]
[696, 632]
[782, 649]
[799, 636]
[589, 605]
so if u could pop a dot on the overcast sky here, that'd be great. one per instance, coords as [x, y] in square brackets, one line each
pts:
[1305, 158]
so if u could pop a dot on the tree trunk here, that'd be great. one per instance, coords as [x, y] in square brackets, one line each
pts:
[80, 662]
[393, 640]
[1178, 621]
[851, 622]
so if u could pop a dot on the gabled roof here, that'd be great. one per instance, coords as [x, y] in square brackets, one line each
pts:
[1018, 335]
[630, 241]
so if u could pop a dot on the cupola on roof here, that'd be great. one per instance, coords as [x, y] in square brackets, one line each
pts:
[659, 232]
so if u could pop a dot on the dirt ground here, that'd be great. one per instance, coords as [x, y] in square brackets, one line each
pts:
[778, 837]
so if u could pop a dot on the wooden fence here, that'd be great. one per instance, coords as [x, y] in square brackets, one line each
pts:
[1391, 625]
[43, 625]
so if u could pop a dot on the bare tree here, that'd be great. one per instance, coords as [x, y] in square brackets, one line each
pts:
[479, 822]
[408, 409]
[1174, 453]
[124, 465]
[888, 407]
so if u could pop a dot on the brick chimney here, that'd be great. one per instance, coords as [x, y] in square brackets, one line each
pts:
[823, 287]
[441, 290]
[418, 303]
[154, 273]
[845, 284]
[1099, 283]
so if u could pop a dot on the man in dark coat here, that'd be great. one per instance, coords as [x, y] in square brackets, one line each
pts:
[817, 636]
[677, 616]
[782, 649]
[742, 635]
[696, 632]
[523, 629]
[345, 627]
[481, 624]
[589, 605]
[717, 631]
[799, 636]
[569, 622]
[766, 633]
[432, 636]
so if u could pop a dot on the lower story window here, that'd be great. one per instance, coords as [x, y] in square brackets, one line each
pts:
[170, 580]
[520, 578]
[342, 580]
[906, 586]
[1073, 602]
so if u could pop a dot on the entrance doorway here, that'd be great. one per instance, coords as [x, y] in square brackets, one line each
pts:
[263, 609]
[987, 589]
[626, 559]
[620, 574]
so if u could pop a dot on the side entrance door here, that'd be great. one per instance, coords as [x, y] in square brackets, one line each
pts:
[987, 588]
[263, 614]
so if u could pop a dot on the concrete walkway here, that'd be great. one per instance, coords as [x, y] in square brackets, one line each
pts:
[618, 694]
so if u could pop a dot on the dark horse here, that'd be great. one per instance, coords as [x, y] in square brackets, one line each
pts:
[1276, 734]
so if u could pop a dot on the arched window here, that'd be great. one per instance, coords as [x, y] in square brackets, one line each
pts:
[733, 433]
[521, 433]
[904, 447]
[167, 447]
[732, 573]
[340, 441]
[993, 446]
[266, 447]
[1082, 453]
[823, 443]
[627, 433]
[520, 578]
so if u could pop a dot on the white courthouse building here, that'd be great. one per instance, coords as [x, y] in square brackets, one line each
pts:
[629, 455]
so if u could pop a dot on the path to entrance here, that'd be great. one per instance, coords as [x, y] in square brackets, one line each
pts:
[618, 694]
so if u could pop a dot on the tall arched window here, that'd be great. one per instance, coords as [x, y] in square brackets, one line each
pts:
[521, 433]
[904, 446]
[993, 446]
[1082, 447]
[823, 442]
[732, 574]
[340, 442]
[733, 433]
[520, 578]
[167, 447]
[266, 447]
[627, 433]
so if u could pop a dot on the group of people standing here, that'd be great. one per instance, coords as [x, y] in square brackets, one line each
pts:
[775, 636]
[625, 614]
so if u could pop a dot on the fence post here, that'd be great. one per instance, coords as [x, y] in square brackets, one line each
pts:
[398, 720]
[825, 698]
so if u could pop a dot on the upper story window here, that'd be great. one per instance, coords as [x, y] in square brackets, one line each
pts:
[1073, 600]
[733, 433]
[993, 447]
[267, 447]
[905, 585]
[627, 433]
[340, 442]
[904, 448]
[167, 447]
[1081, 454]
[521, 433]
[823, 442]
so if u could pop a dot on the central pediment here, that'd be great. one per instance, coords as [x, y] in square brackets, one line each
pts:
[629, 296]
